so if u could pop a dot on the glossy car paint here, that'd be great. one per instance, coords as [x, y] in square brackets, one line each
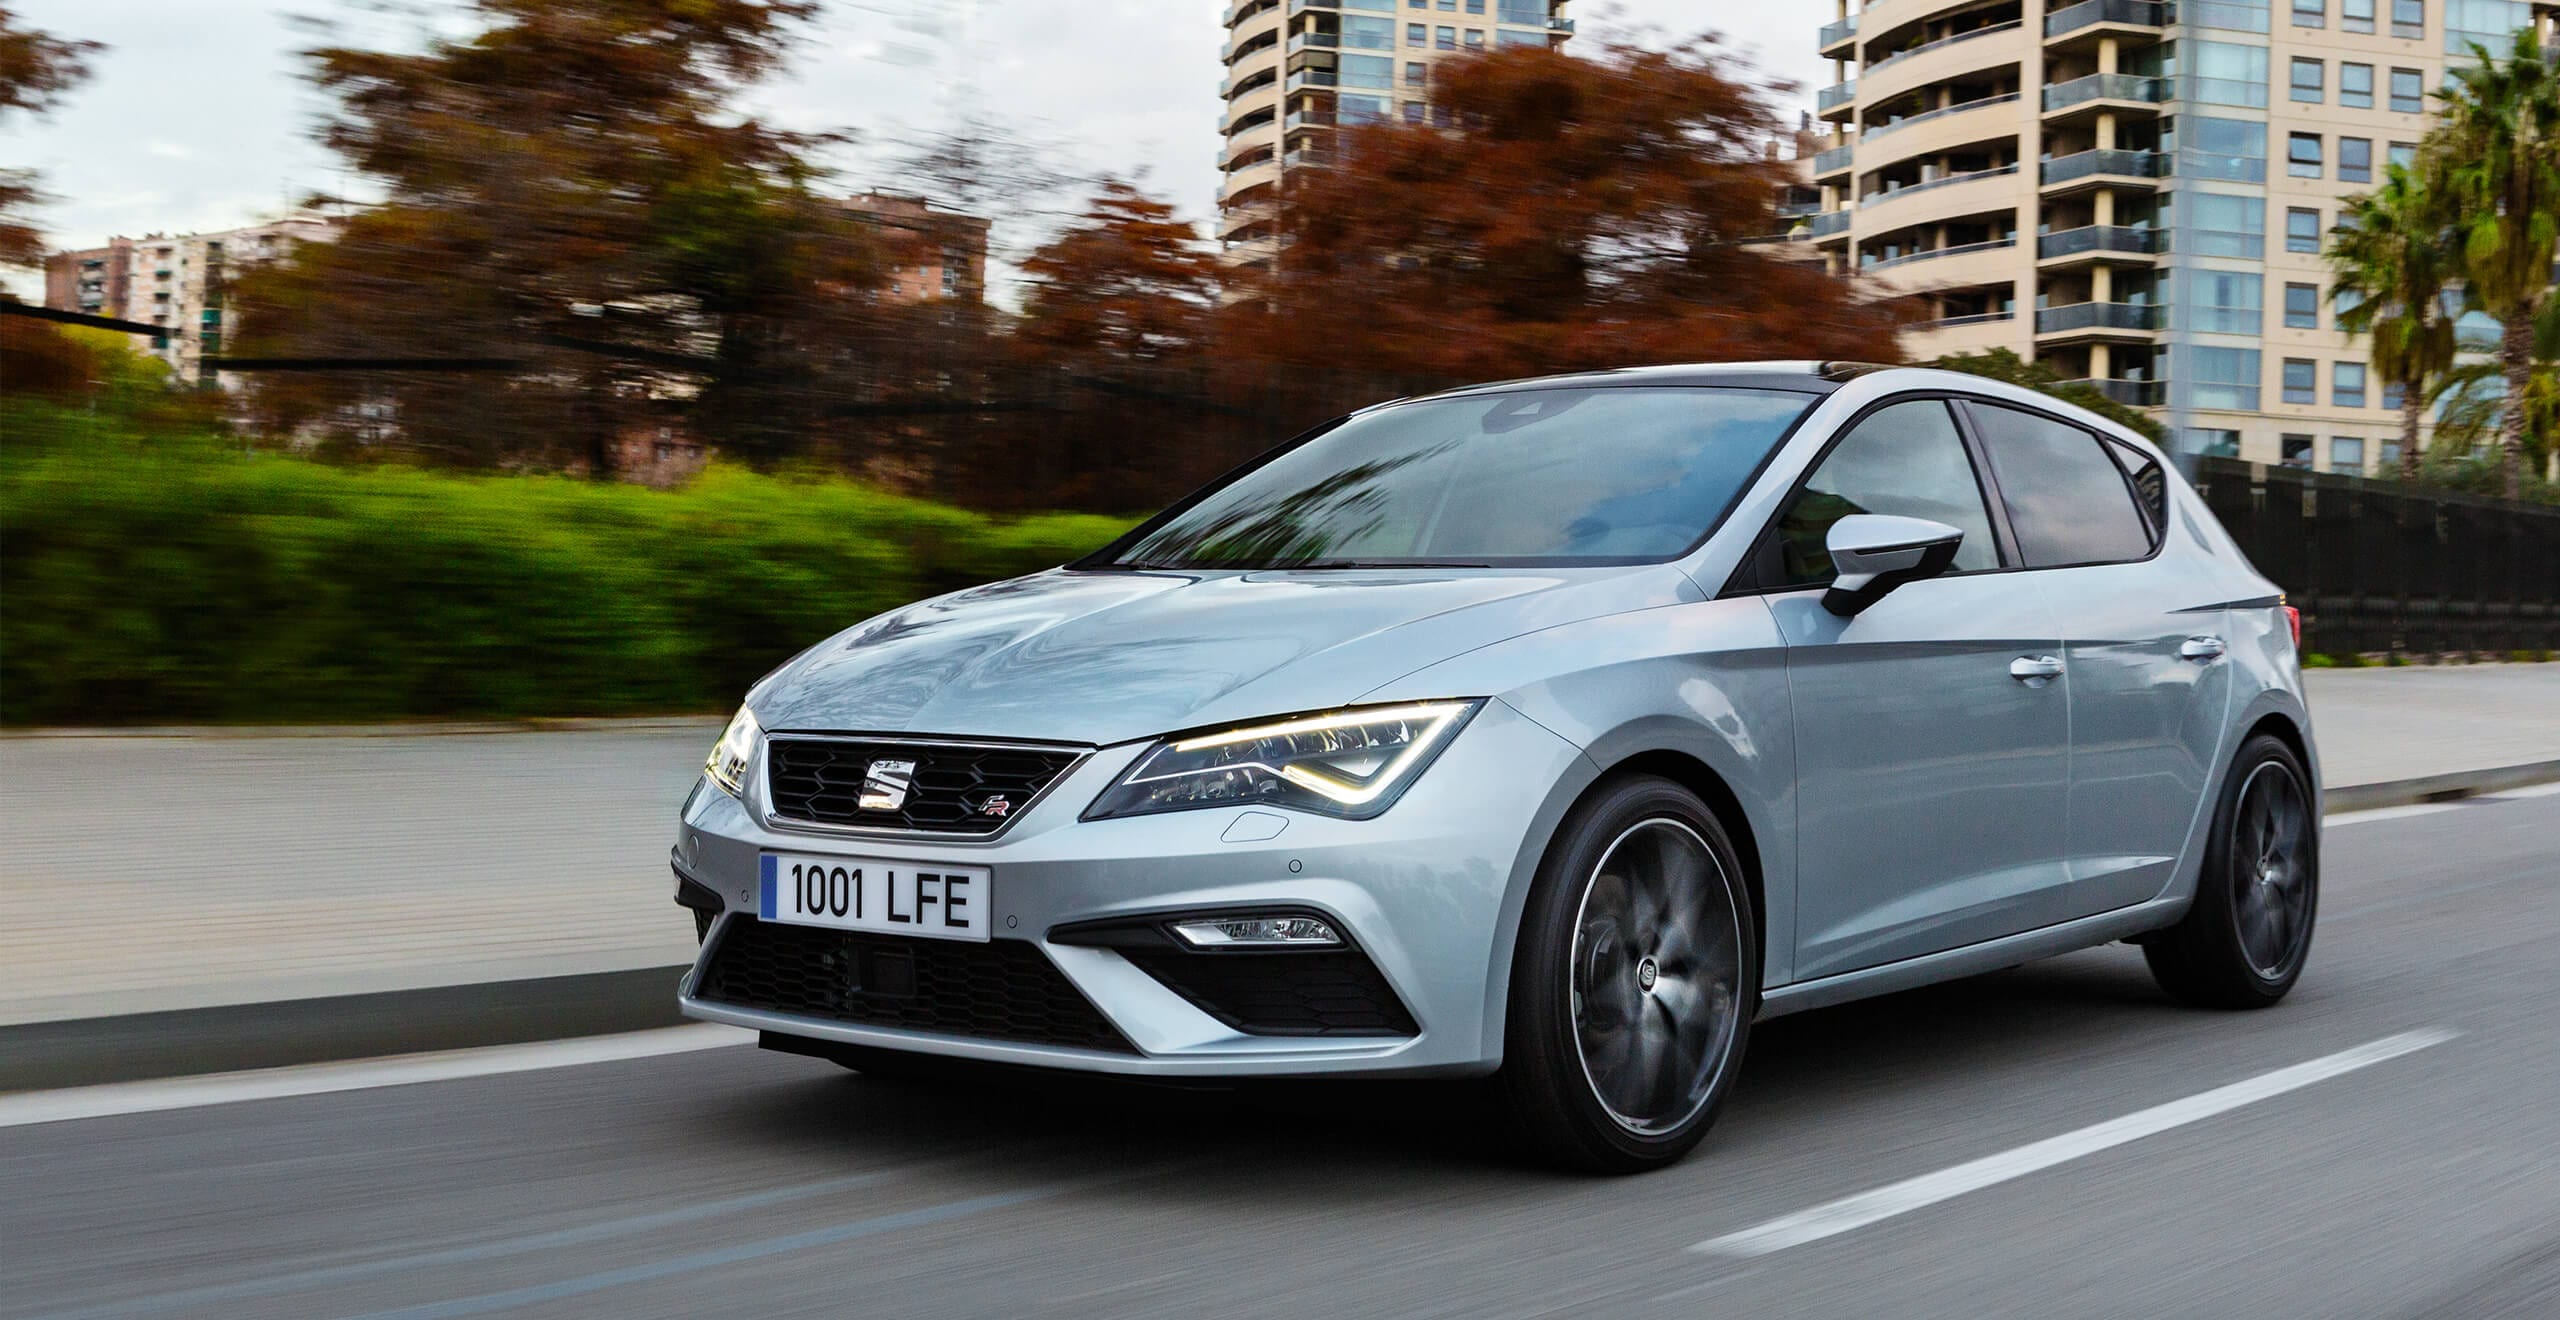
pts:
[1908, 810]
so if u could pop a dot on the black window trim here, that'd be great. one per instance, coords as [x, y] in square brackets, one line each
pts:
[1756, 574]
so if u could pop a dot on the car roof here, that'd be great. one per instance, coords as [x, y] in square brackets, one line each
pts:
[1806, 375]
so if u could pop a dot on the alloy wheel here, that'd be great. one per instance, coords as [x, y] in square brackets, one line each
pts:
[2271, 872]
[1656, 976]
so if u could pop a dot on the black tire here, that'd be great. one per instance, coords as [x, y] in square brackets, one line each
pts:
[1640, 992]
[2244, 940]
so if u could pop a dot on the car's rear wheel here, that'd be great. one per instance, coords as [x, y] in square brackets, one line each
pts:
[2243, 942]
[1633, 983]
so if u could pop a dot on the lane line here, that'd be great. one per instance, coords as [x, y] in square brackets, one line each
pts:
[2436, 894]
[118, 1098]
[2371, 814]
[304, 1280]
[1850, 1213]
[581, 1285]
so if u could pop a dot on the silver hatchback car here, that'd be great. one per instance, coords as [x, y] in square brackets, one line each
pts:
[1555, 729]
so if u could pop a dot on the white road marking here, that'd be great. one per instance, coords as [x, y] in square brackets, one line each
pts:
[2371, 814]
[1855, 1212]
[362, 1074]
[2531, 791]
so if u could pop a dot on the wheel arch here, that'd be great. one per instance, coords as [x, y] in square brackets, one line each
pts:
[1700, 778]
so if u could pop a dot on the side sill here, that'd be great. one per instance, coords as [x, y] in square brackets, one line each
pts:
[1973, 959]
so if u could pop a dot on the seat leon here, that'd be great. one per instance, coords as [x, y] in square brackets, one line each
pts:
[1554, 730]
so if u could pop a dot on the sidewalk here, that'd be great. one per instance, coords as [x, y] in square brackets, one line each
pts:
[150, 873]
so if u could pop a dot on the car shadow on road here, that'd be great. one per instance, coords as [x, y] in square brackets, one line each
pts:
[1379, 1134]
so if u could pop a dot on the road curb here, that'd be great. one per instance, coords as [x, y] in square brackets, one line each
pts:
[2437, 788]
[186, 1042]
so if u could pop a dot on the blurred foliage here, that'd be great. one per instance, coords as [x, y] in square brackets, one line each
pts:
[1561, 212]
[2003, 365]
[167, 575]
[35, 70]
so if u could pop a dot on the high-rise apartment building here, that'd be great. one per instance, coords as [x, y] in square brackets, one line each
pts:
[172, 280]
[1299, 69]
[2136, 192]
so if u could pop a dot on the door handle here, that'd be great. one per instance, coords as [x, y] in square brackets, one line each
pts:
[2203, 650]
[2035, 670]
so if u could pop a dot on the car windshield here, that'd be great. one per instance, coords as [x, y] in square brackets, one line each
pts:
[1607, 475]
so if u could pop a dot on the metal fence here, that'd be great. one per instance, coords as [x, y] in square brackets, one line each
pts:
[2377, 567]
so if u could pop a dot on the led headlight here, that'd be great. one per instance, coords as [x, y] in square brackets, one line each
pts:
[727, 764]
[1350, 763]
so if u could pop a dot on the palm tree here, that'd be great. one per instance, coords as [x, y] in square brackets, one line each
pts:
[2499, 148]
[2394, 255]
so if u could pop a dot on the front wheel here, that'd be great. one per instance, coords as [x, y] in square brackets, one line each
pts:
[2243, 942]
[1633, 983]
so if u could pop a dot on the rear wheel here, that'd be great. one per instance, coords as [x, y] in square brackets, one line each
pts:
[1634, 981]
[2243, 942]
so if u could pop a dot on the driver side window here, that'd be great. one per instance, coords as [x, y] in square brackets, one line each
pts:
[1905, 459]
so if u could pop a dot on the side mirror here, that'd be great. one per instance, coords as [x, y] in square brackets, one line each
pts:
[1874, 553]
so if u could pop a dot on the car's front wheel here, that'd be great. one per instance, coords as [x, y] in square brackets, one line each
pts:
[1633, 983]
[2244, 939]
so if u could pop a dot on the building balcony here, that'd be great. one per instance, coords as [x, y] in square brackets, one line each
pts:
[1835, 35]
[1830, 224]
[2105, 91]
[2091, 169]
[2098, 320]
[1937, 254]
[2094, 18]
[1798, 210]
[2130, 393]
[1320, 40]
[2098, 241]
[1932, 185]
[1833, 160]
[1311, 119]
[1306, 156]
[1304, 78]
[1837, 96]
[1940, 44]
[1302, 6]
[1927, 116]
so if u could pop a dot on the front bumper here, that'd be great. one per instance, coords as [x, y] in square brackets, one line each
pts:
[1430, 892]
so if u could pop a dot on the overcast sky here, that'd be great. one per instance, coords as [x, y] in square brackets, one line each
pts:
[197, 116]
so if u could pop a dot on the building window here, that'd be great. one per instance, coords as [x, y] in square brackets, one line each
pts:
[2302, 156]
[2355, 86]
[1369, 33]
[2301, 380]
[2222, 378]
[2302, 306]
[1371, 71]
[2346, 384]
[1475, 6]
[1361, 109]
[2295, 452]
[2213, 442]
[1448, 38]
[2355, 15]
[2346, 454]
[1450, 5]
[2234, 149]
[2229, 74]
[2311, 13]
[2355, 160]
[2235, 15]
[2409, 18]
[2488, 23]
[1413, 112]
[1417, 34]
[2223, 226]
[2408, 92]
[2394, 395]
[2225, 302]
[2308, 77]
[1475, 38]
[1414, 74]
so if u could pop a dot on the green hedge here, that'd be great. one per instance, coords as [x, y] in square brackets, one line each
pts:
[156, 578]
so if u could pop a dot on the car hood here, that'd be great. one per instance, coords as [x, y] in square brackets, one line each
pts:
[1108, 657]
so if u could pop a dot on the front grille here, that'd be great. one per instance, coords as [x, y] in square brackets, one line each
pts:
[1282, 994]
[954, 790]
[1001, 990]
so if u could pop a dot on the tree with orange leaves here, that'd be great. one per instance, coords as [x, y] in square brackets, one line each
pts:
[1127, 283]
[1576, 211]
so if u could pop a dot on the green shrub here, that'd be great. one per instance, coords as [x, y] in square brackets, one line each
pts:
[160, 577]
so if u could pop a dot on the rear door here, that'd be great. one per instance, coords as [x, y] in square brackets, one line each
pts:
[2142, 640]
[1931, 780]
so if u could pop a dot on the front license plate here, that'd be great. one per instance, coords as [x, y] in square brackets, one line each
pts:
[867, 893]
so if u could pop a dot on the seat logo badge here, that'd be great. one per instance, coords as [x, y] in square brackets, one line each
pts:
[998, 805]
[884, 785]
[1646, 974]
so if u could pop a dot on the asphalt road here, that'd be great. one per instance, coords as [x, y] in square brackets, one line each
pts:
[728, 1181]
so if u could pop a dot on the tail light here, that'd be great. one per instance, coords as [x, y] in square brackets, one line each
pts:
[2293, 620]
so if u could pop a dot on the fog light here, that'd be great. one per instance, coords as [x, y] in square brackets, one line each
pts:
[1201, 932]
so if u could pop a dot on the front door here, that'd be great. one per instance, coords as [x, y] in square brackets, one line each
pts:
[1932, 748]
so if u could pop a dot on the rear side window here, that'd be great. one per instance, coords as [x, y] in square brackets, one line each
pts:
[2150, 484]
[2068, 501]
[1904, 458]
